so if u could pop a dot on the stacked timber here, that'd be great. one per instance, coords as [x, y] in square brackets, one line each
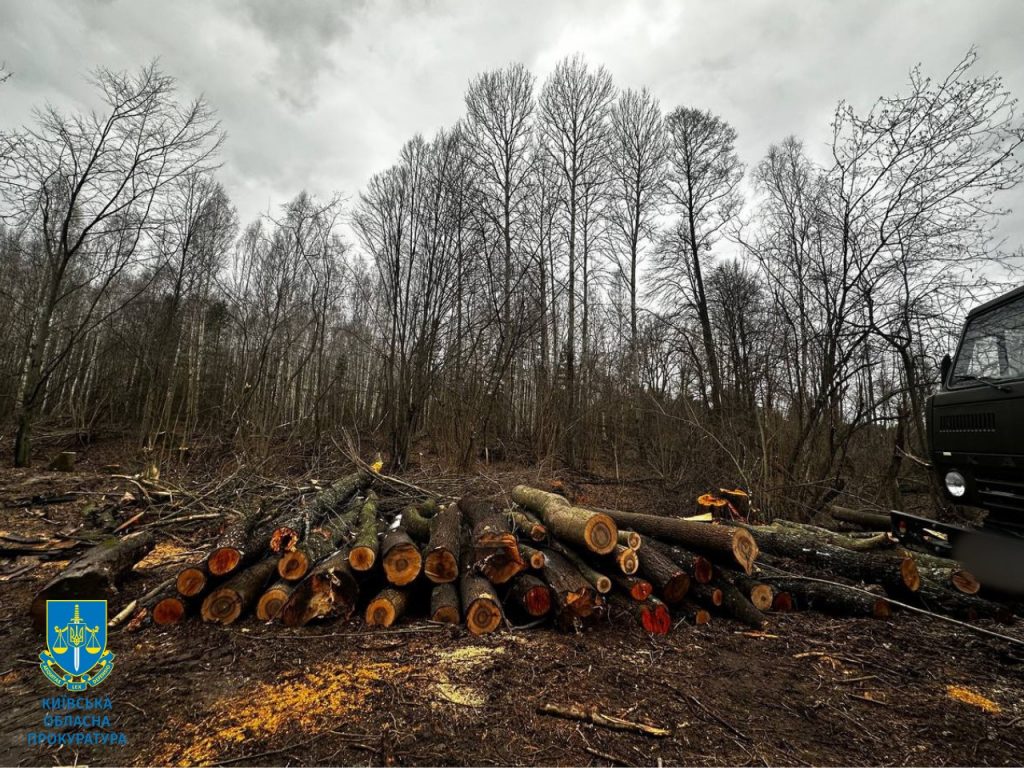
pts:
[483, 563]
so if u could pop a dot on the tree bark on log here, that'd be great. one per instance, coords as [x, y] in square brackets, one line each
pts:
[480, 605]
[416, 524]
[575, 598]
[441, 564]
[834, 599]
[729, 541]
[294, 529]
[532, 595]
[941, 599]
[96, 575]
[320, 543]
[527, 525]
[667, 576]
[400, 558]
[272, 601]
[693, 613]
[595, 531]
[329, 590]
[495, 549]
[957, 578]
[698, 567]
[228, 602]
[874, 521]
[706, 595]
[366, 544]
[893, 570]
[882, 540]
[387, 607]
[239, 545]
[760, 594]
[444, 604]
[634, 586]
[736, 605]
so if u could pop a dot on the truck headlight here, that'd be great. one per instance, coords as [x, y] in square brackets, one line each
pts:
[955, 484]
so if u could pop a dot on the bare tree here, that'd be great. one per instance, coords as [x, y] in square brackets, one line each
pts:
[575, 103]
[703, 186]
[91, 186]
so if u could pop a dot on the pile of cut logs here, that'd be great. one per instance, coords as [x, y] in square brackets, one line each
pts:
[482, 563]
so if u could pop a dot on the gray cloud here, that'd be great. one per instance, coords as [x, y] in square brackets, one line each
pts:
[319, 95]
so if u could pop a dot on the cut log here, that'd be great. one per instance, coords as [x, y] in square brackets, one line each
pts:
[416, 524]
[329, 590]
[238, 546]
[892, 569]
[882, 540]
[365, 546]
[480, 605]
[532, 557]
[444, 604]
[228, 602]
[575, 598]
[601, 583]
[652, 614]
[634, 586]
[941, 599]
[272, 601]
[759, 593]
[959, 579]
[441, 564]
[834, 599]
[874, 521]
[527, 525]
[400, 558]
[698, 566]
[626, 559]
[169, 610]
[289, 532]
[387, 607]
[96, 575]
[495, 549]
[193, 580]
[667, 576]
[532, 595]
[594, 531]
[693, 613]
[630, 539]
[737, 606]
[321, 542]
[728, 541]
[706, 595]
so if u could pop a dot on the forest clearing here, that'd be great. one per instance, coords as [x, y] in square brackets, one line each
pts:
[792, 685]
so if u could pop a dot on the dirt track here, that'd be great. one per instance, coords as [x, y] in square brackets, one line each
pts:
[811, 690]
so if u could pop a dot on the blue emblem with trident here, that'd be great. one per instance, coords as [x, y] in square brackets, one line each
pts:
[76, 640]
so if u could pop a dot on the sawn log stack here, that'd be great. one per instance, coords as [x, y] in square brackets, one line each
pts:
[530, 559]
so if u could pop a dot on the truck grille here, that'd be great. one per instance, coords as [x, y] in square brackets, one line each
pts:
[1000, 494]
[967, 422]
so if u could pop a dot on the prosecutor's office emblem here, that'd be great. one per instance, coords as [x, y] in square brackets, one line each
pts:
[76, 655]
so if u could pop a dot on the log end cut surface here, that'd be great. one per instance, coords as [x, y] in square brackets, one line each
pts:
[169, 611]
[224, 560]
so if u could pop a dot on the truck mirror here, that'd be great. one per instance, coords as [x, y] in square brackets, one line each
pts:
[944, 366]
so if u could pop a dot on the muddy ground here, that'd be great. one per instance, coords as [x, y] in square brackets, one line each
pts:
[811, 690]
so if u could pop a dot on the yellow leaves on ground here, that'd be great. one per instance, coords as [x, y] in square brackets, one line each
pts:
[300, 704]
[975, 699]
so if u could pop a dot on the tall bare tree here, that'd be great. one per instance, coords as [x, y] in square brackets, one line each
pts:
[91, 186]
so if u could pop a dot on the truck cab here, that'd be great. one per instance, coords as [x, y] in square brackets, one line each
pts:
[976, 419]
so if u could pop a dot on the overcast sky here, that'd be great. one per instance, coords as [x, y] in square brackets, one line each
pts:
[321, 94]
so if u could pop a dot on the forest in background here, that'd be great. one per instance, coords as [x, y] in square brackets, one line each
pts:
[572, 274]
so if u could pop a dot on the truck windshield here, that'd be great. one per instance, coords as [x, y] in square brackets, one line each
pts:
[992, 349]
